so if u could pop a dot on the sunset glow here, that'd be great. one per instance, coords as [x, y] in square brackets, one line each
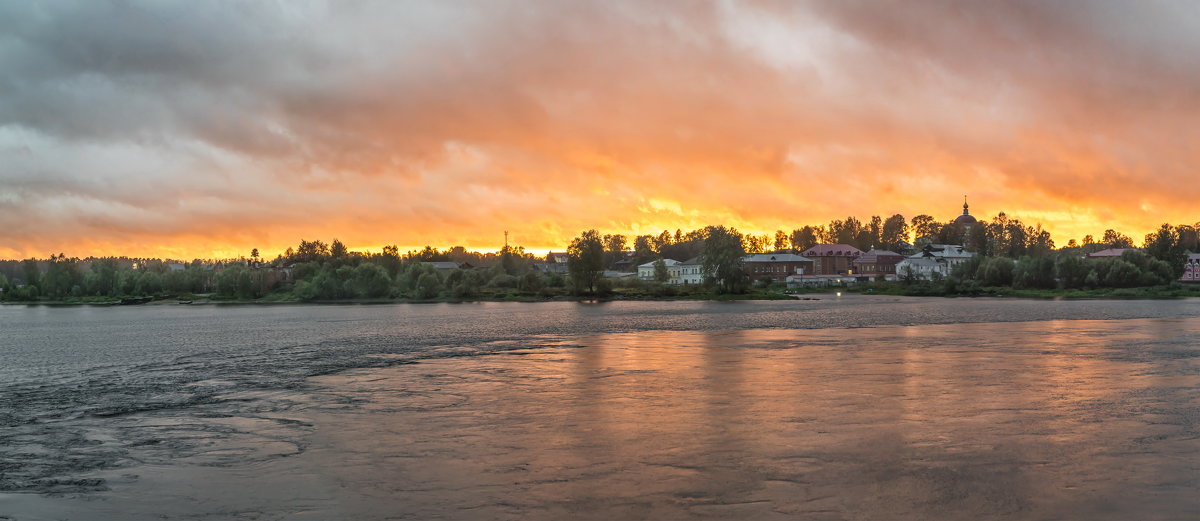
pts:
[199, 130]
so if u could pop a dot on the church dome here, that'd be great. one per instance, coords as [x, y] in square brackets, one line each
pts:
[965, 218]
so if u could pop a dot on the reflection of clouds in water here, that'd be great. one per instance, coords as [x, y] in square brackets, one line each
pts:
[579, 413]
[846, 422]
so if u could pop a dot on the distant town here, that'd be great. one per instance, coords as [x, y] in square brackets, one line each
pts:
[959, 256]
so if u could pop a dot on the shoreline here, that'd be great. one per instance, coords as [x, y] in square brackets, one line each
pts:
[807, 296]
[170, 301]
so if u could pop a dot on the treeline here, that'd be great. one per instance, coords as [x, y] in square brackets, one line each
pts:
[314, 270]
[388, 275]
[1002, 236]
[1009, 254]
[309, 251]
[719, 249]
[1060, 271]
[890, 233]
[61, 277]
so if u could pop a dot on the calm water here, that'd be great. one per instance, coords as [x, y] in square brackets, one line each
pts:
[843, 408]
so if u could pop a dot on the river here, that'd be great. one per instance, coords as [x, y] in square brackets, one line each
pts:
[852, 407]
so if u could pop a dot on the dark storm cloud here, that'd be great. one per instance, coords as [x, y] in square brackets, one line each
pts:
[173, 123]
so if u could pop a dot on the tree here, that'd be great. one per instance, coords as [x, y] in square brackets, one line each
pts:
[1188, 237]
[390, 260]
[894, 232]
[614, 249]
[846, 232]
[1114, 239]
[952, 233]
[370, 280]
[309, 251]
[1034, 272]
[924, 227]
[755, 243]
[663, 240]
[585, 261]
[996, 271]
[874, 233]
[977, 240]
[234, 281]
[660, 271]
[531, 282]
[805, 238]
[148, 283]
[508, 261]
[721, 259]
[254, 254]
[428, 285]
[103, 278]
[1039, 242]
[33, 274]
[1071, 271]
[1122, 274]
[643, 247]
[1164, 245]
[781, 240]
[337, 250]
[61, 276]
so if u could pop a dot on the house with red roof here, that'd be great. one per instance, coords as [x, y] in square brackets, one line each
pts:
[1191, 268]
[877, 262]
[777, 266]
[1110, 253]
[832, 259]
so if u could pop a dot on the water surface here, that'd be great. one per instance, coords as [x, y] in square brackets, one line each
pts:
[851, 408]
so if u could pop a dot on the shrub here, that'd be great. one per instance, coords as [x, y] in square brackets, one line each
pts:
[428, 286]
[531, 282]
[503, 280]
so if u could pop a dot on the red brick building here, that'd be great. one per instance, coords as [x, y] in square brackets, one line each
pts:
[832, 259]
[877, 262]
[775, 265]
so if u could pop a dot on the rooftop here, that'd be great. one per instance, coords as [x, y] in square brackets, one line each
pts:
[1111, 252]
[944, 251]
[827, 250]
[775, 257]
[668, 262]
[874, 256]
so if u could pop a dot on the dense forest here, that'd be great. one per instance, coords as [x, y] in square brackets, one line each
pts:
[1009, 255]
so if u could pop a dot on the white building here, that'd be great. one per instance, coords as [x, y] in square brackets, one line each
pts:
[691, 271]
[934, 258]
[646, 271]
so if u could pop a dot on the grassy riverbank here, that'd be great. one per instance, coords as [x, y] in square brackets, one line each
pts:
[942, 289]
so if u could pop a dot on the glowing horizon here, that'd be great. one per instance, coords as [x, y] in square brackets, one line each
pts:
[184, 130]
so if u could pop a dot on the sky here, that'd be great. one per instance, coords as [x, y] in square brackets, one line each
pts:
[204, 129]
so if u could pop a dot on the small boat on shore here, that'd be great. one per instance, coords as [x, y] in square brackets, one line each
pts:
[131, 301]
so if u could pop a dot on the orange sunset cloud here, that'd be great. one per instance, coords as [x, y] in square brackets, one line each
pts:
[197, 130]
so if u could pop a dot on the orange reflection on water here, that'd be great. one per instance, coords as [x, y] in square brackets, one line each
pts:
[982, 421]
